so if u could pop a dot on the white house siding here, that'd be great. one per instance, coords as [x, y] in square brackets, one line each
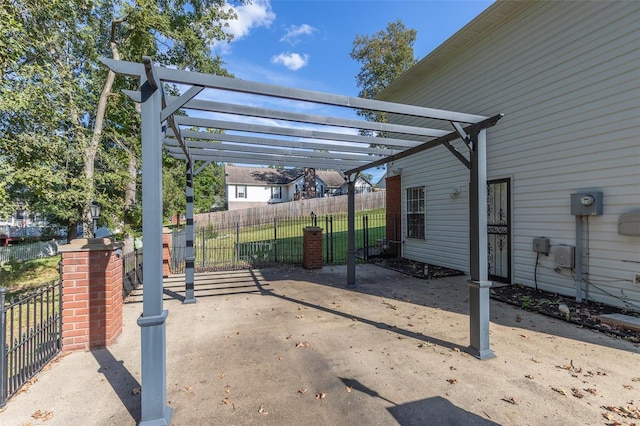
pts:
[567, 77]
[256, 196]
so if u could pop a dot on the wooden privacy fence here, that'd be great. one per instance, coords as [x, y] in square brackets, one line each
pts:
[319, 206]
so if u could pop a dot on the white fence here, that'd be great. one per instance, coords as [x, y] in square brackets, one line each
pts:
[24, 252]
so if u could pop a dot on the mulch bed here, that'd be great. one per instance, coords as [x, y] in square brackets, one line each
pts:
[584, 314]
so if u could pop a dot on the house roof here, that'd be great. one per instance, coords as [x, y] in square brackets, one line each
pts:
[331, 178]
[496, 15]
[267, 176]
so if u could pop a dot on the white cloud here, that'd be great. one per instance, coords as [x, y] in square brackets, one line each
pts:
[253, 15]
[293, 61]
[293, 33]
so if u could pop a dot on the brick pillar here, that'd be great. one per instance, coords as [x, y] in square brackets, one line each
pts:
[394, 214]
[312, 247]
[166, 254]
[91, 293]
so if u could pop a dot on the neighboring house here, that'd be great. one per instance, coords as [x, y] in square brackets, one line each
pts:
[362, 186]
[258, 186]
[567, 77]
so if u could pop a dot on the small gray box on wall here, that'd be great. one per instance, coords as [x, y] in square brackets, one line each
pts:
[586, 203]
[541, 245]
[565, 256]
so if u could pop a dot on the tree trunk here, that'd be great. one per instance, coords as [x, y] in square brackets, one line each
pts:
[92, 148]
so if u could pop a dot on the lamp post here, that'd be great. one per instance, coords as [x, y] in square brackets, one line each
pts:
[94, 209]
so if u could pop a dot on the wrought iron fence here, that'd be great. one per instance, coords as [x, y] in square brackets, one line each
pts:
[277, 241]
[131, 271]
[30, 335]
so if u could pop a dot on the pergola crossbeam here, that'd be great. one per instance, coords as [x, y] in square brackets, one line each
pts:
[484, 124]
[289, 131]
[216, 148]
[250, 111]
[289, 143]
[276, 161]
[251, 87]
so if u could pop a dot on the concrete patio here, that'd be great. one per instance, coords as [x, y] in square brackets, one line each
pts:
[292, 346]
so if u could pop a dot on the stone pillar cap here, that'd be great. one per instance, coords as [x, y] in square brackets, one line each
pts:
[90, 244]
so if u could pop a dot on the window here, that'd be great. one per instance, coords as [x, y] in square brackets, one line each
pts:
[415, 212]
[241, 191]
[276, 192]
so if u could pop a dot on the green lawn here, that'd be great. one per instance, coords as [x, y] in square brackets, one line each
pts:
[21, 276]
[281, 242]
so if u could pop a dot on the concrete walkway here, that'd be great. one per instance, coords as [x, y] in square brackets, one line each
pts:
[294, 347]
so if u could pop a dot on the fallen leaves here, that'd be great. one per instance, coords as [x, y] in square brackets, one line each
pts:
[625, 412]
[559, 390]
[136, 391]
[528, 376]
[452, 381]
[302, 391]
[262, 411]
[42, 415]
[321, 395]
[576, 392]
[510, 400]
[303, 345]
[348, 389]
[426, 345]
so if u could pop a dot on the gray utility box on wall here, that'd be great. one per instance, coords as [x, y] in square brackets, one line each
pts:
[586, 203]
[541, 245]
[565, 256]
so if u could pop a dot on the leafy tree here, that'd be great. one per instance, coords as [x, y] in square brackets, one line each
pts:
[384, 56]
[66, 131]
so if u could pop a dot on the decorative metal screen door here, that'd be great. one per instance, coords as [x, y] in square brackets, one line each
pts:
[499, 229]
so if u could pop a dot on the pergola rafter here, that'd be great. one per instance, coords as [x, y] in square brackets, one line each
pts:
[302, 140]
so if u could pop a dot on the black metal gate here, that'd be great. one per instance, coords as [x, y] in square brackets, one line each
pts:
[30, 335]
[499, 229]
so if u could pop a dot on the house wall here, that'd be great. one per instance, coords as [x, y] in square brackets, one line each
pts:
[566, 76]
[256, 196]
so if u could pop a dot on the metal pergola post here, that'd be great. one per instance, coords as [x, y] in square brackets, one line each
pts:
[351, 233]
[189, 259]
[479, 283]
[155, 410]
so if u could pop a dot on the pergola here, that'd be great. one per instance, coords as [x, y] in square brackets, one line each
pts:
[227, 132]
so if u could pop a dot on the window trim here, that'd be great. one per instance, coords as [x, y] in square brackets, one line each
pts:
[411, 201]
[276, 193]
[241, 194]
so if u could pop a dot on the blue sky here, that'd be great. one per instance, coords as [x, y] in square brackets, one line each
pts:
[306, 43]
